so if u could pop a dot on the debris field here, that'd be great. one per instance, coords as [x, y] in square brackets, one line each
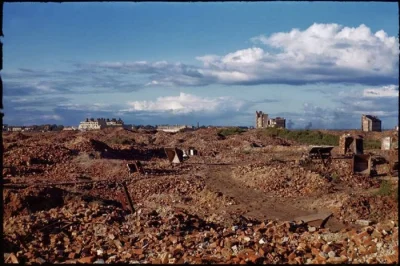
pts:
[244, 198]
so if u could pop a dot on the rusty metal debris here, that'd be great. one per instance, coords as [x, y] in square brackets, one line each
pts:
[135, 167]
[192, 151]
[9, 171]
[174, 155]
[128, 197]
[394, 161]
[361, 164]
[318, 220]
[321, 152]
[349, 145]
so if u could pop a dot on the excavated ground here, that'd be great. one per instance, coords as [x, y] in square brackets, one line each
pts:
[236, 202]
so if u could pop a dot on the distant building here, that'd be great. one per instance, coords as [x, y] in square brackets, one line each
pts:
[370, 123]
[27, 129]
[15, 129]
[5, 127]
[175, 128]
[278, 122]
[46, 128]
[114, 122]
[261, 119]
[92, 124]
[70, 128]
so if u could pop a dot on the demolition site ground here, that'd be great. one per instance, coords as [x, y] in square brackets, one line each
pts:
[244, 197]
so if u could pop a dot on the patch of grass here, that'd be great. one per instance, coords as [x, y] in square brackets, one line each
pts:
[385, 189]
[370, 144]
[335, 177]
[230, 131]
[309, 137]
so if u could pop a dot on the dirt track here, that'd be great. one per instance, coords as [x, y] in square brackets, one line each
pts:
[251, 203]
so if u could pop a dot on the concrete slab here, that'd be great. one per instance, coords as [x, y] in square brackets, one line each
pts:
[318, 219]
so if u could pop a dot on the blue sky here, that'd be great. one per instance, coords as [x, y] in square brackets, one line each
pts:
[213, 63]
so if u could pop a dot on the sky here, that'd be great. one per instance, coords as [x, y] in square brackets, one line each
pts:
[313, 63]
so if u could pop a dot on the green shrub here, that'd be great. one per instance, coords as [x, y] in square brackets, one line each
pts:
[230, 131]
[370, 144]
[304, 136]
[385, 189]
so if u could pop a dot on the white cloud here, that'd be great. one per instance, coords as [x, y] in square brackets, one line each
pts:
[322, 53]
[93, 107]
[51, 117]
[354, 48]
[386, 91]
[187, 103]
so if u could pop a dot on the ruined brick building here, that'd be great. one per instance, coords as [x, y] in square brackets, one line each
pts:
[370, 123]
[262, 121]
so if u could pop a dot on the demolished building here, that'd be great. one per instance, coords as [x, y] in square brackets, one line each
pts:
[262, 121]
[370, 123]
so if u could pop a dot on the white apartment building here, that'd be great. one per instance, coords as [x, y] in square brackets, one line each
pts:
[69, 128]
[15, 129]
[92, 124]
[114, 122]
[173, 129]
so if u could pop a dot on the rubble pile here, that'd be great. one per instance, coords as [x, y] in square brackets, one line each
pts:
[37, 158]
[282, 179]
[87, 145]
[375, 208]
[93, 233]
[64, 201]
[177, 185]
[339, 171]
[14, 137]
[20, 202]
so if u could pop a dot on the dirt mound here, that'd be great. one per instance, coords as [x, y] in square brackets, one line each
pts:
[87, 145]
[31, 200]
[16, 137]
[339, 171]
[282, 179]
[373, 207]
[38, 157]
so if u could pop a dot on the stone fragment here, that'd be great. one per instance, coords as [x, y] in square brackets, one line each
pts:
[89, 259]
[363, 222]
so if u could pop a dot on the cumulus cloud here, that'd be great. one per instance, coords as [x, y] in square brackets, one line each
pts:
[386, 91]
[51, 117]
[350, 105]
[187, 103]
[322, 53]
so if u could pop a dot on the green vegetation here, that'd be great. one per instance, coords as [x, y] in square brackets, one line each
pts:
[370, 144]
[309, 137]
[335, 177]
[385, 189]
[230, 131]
